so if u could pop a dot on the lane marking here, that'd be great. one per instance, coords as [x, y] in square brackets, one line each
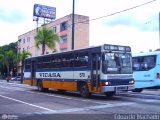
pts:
[82, 100]
[37, 93]
[57, 96]
[83, 109]
[27, 103]
[50, 111]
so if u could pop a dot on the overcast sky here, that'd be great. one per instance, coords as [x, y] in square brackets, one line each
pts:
[137, 28]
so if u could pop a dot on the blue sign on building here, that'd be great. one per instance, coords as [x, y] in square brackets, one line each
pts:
[44, 11]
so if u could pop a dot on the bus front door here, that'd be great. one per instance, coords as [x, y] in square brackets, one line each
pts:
[33, 73]
[95, 75]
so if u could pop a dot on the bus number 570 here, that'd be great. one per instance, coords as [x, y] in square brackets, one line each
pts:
[81, 74]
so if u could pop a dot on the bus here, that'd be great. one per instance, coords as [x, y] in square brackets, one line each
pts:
[146, 70]
[104, 69]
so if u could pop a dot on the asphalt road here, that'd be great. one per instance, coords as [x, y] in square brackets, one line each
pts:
[19, 101]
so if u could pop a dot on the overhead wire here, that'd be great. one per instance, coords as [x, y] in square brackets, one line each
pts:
[137, 6]
[115, 13]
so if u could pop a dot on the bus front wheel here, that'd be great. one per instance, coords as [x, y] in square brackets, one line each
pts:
[84, 91]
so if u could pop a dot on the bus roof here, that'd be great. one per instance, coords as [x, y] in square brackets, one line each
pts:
[145, 53]
[90, 47]
[58, 52]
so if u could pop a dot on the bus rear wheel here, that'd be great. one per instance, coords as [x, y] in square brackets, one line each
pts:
[110, 94]
[40, 87]
[84, 91]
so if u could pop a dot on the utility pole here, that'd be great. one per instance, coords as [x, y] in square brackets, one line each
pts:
[73, 26]
[159, 29]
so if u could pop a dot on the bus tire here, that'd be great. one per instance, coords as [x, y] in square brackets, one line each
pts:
[84, 91]
[110, 94]
[137, 90]
[40, 87]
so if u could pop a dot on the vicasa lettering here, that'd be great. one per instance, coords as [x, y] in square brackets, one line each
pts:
[49, 74]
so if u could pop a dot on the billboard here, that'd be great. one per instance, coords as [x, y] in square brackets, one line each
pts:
[44, 11]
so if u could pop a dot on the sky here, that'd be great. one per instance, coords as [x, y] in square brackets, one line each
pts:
[138, 28]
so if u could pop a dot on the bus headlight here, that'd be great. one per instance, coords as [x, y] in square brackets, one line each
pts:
[106, 83]
[131, 82]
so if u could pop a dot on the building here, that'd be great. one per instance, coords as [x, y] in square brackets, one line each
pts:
[63, 27]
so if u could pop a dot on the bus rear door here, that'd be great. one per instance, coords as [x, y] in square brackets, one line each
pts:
[33, 71]
[95, 75]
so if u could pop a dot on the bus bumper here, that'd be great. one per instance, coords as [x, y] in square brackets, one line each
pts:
[117, 88]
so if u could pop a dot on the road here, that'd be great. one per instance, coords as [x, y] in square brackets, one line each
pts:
[19, 101]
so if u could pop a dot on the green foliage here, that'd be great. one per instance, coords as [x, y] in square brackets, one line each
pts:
[46, 36]
[7, 60]
[11, 46]
[21, 57]
[7, 57]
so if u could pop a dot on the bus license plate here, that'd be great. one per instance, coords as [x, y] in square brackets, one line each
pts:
[121, 88]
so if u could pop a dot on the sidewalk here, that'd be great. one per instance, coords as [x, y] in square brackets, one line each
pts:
[10, 81]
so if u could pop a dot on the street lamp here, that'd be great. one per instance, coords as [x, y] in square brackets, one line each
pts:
[73, 26]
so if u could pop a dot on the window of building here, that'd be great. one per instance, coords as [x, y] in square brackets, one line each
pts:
[54, 29]
[23, 40]
[27, 48]
[28, 39]
[63, 49]
[63, 26]
[63, 39]
[19, 41]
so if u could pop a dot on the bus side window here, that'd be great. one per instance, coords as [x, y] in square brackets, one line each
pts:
[46, 62]
[83, 59]
[148, 62]
[67, 60]
[136, 64]
[76, 61]
[28, 64]
[40, 63]
[57, 62]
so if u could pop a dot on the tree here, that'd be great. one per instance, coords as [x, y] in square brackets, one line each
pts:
[46, 36]
[2, 66]
[21, 57]
[7, 60]
[11, 46]
[3, 49]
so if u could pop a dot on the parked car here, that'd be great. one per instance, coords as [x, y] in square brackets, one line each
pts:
[17, 78]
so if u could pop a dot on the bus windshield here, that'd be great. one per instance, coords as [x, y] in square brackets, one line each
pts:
[116, 63]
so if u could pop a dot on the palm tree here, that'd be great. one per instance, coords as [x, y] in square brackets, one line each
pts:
[2, 62]
[21, 57]
[8, 60]
[46, 36]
